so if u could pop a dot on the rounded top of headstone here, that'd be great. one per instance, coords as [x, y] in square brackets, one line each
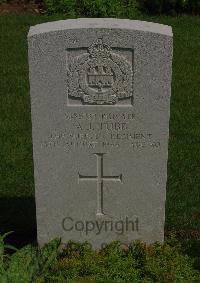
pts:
[111, 23]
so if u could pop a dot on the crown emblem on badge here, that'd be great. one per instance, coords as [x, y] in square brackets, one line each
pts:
[99, 76]
[98, 48]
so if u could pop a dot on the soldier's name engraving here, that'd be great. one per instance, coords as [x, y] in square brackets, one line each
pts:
[107, 126]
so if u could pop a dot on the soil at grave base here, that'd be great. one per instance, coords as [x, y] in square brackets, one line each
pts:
[20, 7]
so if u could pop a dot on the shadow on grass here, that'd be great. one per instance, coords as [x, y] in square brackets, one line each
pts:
[18, 215]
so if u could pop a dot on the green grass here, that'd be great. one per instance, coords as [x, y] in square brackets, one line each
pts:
[17, 209]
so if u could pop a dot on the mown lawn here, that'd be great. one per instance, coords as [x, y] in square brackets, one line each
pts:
[17, 208]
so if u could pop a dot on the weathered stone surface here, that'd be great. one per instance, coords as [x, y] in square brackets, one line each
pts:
[100, 96]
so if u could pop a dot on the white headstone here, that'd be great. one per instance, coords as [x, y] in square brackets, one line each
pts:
[100, 97]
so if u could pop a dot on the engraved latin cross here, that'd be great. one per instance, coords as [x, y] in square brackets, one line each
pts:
[100, 179]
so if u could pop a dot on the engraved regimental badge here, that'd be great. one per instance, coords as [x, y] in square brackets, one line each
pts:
[100, 76]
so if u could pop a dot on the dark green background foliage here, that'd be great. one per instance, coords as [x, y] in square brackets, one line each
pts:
[123, 8]
[170, 6]
[91, 8]
[117, 8]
